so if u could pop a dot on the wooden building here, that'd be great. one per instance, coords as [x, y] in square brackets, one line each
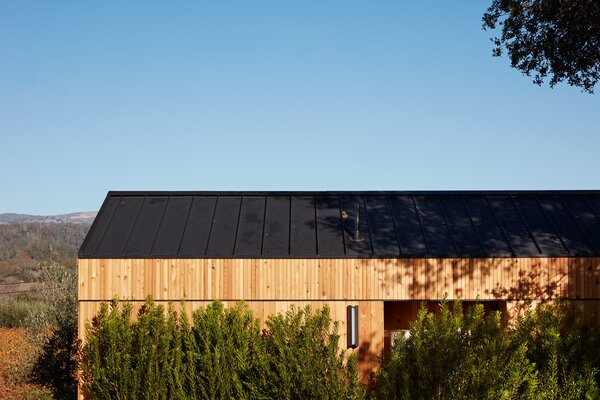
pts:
[384, 252]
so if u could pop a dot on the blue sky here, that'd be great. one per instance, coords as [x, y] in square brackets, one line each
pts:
[98, 96]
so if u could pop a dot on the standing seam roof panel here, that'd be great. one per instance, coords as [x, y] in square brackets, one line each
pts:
[221, 241]
[197, 230]
[168, 238]
[461, 227]
[322, 224]
[145, 229]
[99, 226]
[276, 240]
[408, 227]
[541, 228]
[490, 232]
[585, 217]
[383, 232]
[329, 228]
[303, 236]
[518, 235]
[435, 227]
[355, 248]
[566, 226]
[118, 231]
[250, 230]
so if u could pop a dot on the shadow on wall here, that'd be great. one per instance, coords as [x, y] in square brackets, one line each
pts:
[510, 279]
[368, 358]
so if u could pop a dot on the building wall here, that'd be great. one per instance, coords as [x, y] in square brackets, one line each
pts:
[272, 285]
[326, 279]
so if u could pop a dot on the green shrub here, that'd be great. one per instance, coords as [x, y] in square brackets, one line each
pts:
[564, 349]
[303, 358]
[221, 354]
[38, 394]
[16, 312]
[107, 356]
[549, 354]
[56, 326]
[457, 355]
[227, 348]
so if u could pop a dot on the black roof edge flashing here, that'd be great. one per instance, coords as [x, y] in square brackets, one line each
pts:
[575, 192]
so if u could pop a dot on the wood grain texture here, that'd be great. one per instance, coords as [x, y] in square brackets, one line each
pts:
[333, 279]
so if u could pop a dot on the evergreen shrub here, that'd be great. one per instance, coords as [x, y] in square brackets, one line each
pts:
[550, 353]
[56, 325]
[15, 312]
[220, 353]
[565, 350]
[303, 360]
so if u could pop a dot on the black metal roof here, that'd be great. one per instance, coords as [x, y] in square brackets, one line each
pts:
[323, 225]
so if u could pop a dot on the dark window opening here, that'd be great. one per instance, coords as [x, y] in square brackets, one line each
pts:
[398, 315]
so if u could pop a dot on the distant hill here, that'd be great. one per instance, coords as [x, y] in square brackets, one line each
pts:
[84, 218]
[29, 241]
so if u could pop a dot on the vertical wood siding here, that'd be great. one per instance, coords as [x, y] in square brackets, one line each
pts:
[271, 285]
[339, 279]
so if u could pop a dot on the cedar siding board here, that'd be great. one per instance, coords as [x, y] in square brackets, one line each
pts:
[329, 279]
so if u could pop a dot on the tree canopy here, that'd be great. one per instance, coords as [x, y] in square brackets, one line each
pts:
[551, 40]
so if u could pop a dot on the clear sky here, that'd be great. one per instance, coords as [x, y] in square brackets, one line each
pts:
[278, 95]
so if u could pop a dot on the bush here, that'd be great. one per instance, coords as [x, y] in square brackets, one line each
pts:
[226, 344]
[454, 356]
[303, 358]
[162, 357]
[56, 324]
[549, 354]
[221, 354]
[564, 349]
[16, 312]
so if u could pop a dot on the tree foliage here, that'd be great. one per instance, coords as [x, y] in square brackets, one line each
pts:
[56, 365]
[558, 40]
[24, 246]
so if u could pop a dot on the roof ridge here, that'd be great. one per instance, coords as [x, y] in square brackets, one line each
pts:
[355, 192]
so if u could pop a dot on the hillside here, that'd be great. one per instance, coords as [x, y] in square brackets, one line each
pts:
[83, 218]
[24, 246]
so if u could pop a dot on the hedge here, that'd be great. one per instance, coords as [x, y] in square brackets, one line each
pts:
[220, 354]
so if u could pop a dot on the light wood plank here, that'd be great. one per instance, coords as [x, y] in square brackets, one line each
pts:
[326, 279]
